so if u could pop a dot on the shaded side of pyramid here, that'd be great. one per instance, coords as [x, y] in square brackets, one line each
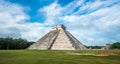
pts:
[58, 39]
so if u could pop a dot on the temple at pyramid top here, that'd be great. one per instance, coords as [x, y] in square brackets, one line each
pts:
[59, 27]
[58, 39]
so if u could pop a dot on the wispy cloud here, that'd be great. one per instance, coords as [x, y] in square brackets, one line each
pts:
[51, 13]
[92, 22]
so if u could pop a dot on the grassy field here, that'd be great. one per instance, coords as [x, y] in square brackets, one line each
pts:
[56, 57]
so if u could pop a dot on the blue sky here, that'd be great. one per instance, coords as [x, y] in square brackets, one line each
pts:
[92, 22]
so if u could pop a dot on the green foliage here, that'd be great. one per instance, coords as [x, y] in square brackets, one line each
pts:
[95, 47]
[116, 45]
[10, 43]
[55, 57]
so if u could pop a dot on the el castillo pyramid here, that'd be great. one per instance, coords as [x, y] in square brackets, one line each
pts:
[58, 39]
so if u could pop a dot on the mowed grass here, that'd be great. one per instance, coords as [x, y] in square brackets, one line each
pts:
[56, 57]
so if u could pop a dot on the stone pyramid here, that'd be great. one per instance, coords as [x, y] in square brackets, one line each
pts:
[58, 39]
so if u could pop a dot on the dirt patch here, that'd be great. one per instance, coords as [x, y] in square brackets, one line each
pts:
[98, 54]
[105, 54]
[73, 53]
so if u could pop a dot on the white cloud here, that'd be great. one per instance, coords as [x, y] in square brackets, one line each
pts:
[90, 7]
[68, 9]
[93, 23]
[32, 31]
[51, 12]
[97, 24]
[13, 23]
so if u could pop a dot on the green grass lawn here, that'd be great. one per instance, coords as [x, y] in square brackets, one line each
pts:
[56, 57]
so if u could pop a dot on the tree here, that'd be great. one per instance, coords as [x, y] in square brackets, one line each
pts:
[10, 43]
[115, 45]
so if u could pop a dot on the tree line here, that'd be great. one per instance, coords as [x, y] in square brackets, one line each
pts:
[11, 43]
[115, 45]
